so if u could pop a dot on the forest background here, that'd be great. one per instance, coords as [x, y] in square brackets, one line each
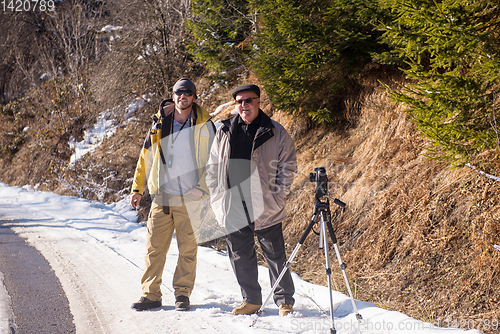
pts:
[398, 100]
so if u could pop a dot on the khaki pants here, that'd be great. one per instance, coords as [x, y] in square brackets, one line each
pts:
[160, 229]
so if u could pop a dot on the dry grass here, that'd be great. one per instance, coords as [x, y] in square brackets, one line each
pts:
[417, 235]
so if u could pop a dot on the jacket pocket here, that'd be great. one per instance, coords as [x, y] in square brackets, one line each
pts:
[280, 201]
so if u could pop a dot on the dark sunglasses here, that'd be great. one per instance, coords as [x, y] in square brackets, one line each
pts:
[247, 101]
[179, 92]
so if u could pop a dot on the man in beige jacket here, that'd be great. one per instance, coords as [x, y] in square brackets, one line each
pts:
[249, 173]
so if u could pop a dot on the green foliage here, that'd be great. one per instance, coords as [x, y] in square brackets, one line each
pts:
[309, 52]
[451, 49]
[308, 55]
[305, 53]
[223, 30]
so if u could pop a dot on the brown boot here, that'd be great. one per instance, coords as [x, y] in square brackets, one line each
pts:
[146, 304]
[285, 309]
[246, 308]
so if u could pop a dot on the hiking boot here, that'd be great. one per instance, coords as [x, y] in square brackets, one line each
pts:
[182, 303]
[245, 308]
[285, 309]
[146, 304]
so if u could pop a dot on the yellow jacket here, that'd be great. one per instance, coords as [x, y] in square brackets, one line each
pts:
[150, 166]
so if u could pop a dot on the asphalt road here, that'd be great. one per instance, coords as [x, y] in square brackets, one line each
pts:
[38, 300]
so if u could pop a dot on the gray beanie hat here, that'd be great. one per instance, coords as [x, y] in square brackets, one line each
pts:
[185, 83]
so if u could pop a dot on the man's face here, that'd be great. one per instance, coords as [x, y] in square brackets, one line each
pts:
[182, 100]
[247, 105]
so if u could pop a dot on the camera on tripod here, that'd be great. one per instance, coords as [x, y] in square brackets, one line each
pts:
[321, 180]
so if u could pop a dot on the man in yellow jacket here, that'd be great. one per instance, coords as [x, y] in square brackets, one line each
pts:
[172, 166]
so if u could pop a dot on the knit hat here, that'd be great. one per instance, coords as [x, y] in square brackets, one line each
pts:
[244, 88]
[185, 83]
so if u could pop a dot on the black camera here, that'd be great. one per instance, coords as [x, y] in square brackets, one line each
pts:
[321, 180]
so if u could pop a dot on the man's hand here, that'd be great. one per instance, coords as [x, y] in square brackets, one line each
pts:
[195, 192]
[135, 200]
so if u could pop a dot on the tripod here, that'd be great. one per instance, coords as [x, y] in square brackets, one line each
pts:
[321, 212]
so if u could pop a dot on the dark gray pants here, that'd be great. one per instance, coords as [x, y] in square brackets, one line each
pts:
[243, 258]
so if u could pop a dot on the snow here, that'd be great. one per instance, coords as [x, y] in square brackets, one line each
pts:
[104, 128]
[6, 314]
[221, 107]
[492, 177]
[97, 251]
[109, 28]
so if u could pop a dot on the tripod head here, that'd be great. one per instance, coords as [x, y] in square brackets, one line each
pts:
[321, 180]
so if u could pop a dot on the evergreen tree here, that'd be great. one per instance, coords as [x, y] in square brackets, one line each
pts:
[452, 51]
[310, 52]
[223, 30]
[306, 53]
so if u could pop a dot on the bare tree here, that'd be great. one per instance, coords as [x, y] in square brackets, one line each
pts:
[39, 44]
[146, 50]
[18, 47]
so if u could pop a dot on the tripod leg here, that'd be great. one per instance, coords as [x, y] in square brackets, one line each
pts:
[343, 266]
[286, 266]
[328, 270]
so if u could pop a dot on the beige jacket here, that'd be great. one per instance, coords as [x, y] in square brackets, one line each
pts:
[275, 165]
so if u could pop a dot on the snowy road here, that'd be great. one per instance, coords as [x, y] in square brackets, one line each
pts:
[97, 252]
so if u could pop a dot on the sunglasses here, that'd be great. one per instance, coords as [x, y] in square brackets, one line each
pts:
[179, 92]
[247, 101]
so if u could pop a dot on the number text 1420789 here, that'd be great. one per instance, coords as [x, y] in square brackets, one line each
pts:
[27, 5]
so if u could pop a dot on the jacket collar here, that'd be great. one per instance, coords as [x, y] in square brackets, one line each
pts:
[232, 122]
[264, 132]
[199, 114]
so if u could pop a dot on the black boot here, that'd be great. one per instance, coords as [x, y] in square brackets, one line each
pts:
[182, 303]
